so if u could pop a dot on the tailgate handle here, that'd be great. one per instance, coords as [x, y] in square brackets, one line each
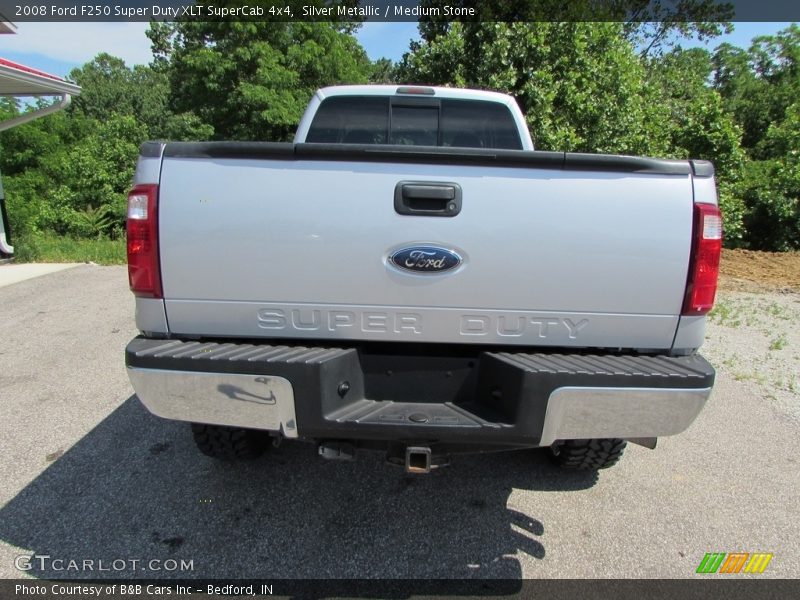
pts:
[427, 199]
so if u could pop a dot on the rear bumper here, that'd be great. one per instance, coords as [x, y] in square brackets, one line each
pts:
[510, 399]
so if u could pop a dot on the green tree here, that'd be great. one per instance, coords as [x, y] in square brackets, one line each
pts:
[580, 85]
[80, 186]
[760, 83]
[252, 80]
[68, 173]
[653, 27]
[110, 87]
[29, 146]
[760, 87]
[771, 188]
[383, 70]
[699, 127]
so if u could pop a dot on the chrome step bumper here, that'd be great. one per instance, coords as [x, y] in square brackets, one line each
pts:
[487, 398]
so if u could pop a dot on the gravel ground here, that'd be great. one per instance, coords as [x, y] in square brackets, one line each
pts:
[88, 474]
[755, 339]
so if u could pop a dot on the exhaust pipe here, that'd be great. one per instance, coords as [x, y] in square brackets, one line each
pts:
[418, 459]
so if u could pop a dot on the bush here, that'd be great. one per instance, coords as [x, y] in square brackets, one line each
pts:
[772, 212]
[733, 208]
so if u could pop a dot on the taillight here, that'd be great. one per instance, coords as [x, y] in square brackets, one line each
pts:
[701, 286]
[144, 272]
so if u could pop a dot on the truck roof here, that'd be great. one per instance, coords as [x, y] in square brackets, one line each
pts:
[438, 92]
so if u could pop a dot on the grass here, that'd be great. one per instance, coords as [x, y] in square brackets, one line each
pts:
[779, 343]
[725, 313]
[753, 376]
[731, 362]
[788, 384]
[750, 312]
[54, 248]
[778, 311]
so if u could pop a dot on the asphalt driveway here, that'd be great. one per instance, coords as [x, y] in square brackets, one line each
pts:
[89, 474]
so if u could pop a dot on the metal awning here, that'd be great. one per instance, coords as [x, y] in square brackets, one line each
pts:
[19, 80]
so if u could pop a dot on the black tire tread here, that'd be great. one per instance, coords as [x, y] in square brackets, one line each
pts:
[589, 455]
[229, 443]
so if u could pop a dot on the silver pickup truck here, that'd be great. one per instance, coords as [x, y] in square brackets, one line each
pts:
[411, 276]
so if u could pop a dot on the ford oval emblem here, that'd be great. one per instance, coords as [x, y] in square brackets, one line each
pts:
[425, 259]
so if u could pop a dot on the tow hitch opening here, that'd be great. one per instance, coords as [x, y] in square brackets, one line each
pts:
[418, 459]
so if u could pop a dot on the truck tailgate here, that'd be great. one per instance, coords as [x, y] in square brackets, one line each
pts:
[299, 248]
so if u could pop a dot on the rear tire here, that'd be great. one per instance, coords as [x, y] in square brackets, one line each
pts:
[587, 455]
[229, 443]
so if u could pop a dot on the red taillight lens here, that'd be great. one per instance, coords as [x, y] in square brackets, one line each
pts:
[701, 286]
[144, 272]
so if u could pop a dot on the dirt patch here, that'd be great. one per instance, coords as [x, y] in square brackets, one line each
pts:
[749, 271]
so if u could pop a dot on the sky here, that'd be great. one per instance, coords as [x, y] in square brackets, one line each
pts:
[57, 48]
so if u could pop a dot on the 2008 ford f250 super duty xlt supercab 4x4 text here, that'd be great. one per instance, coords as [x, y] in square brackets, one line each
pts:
[410, 276]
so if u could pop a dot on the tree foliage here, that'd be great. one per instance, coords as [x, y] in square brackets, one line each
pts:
[580, 85]
[651, 26]
[110, 87]
[69, 172]
[252, 80]
[760, 88]
[621, 85]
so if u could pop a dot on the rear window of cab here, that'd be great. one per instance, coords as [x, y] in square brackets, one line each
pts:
[413, 121]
